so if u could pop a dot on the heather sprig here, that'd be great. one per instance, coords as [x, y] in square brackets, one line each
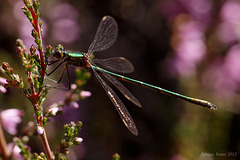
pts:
[34, 63]
[31, 11]
[70, 138]
[25, 150]
[15, 80]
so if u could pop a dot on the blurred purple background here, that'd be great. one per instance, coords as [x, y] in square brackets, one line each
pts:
[188, 46]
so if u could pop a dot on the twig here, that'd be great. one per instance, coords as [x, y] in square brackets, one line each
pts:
[3, 145]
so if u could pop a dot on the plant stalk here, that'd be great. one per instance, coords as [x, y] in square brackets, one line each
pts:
[3, 145]
[46, 145]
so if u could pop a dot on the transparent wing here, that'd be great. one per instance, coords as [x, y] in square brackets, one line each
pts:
[123, 90]
[120, 107]
[105, 36]
[118, 64]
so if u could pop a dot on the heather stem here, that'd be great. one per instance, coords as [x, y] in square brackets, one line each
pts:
[46, 145]
[43, 135]
[3, 145]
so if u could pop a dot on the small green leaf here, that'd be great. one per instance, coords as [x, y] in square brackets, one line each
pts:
[48, 51]
[36, 5]
[26, 2]
[35, 34]
[44, 121]
[27, 13]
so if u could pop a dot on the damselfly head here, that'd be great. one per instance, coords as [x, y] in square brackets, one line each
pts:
[58, 52]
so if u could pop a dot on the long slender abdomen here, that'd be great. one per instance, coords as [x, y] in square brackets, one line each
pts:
[161, 90]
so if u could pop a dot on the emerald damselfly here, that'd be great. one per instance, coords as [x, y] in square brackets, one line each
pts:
[104, 38]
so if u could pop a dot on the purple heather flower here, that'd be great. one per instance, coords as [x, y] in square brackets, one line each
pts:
[224, 74]
[65, 28]
[230, 11]
[231, 63]
[2, 89]
[199, 10]
[10, 118]
[54, 105]
[70, 12]
[77, 140]
[15, 150]
[190, 50]
[217, 79]
[85, 94]
[74, 105]
[228, 30]
[40, 130]
[2, 82]
[73, 86]
[53, 111]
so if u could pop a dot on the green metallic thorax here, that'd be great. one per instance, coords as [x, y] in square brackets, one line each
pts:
[77, 59]
[75, 55]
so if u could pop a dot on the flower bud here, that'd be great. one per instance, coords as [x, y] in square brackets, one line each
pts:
[40, 130]
[7, 67]
[73, 86]
[2, 89]
[20, 52]
[65, 152]
[3, 80]
[85, 94]
[33, 49]
[74, 105]
[77, 140]
[53, 109]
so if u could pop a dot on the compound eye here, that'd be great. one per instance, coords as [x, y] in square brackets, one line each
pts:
[58, 54]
